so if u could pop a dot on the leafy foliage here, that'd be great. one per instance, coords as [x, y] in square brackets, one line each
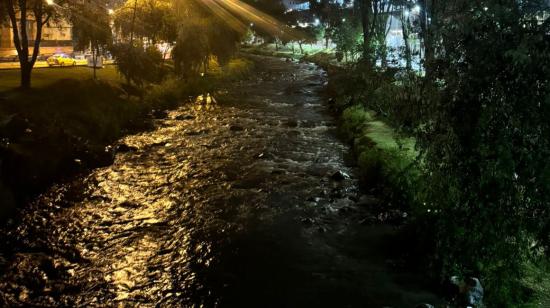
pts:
[487, 141]
[138, 64]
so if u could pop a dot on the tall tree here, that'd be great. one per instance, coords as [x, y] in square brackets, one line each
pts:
[23, 15]
[150, 20]
[205, 29]
[366, 12]
[487, 143]
[91, 28]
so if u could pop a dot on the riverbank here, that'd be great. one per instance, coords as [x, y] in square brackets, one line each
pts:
[379, 113]
[387, 158]
[248, 200]
[68, 122]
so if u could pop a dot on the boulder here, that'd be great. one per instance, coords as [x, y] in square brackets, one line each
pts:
[185, 117]
[159, 114]
[339, 176]
[236, 128]
[124, 148]
[467, 292]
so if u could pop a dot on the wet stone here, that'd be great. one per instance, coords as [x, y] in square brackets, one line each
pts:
[184, 117]
[124, 148]
[236, 128]
[339, 176]
[159, 114]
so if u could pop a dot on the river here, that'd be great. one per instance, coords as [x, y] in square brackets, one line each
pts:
[245, 198]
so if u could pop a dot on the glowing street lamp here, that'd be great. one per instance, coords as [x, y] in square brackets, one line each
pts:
[416, 9]
[50, 2]
[110, 11]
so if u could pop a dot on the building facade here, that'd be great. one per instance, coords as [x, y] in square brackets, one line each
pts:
[56, 38]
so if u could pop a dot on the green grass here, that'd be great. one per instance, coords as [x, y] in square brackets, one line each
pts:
[386, 159]
[44, 77]
[537, 278]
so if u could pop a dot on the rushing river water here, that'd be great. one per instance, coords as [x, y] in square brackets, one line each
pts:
[230, 202]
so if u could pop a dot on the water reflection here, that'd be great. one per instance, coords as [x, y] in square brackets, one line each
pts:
[205, 102]
[221, 205]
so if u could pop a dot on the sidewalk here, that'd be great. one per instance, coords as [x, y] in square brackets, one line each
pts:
[40, 64]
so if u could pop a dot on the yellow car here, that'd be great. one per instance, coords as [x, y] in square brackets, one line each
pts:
[61, 60]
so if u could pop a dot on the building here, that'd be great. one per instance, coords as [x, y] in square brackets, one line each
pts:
[56, 38]
[296, 5]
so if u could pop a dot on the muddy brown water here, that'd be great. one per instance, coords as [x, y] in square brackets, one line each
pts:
[228, 202]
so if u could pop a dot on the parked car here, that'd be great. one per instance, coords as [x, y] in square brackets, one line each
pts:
[61, 60]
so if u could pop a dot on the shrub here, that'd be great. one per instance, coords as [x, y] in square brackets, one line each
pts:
[138, 64]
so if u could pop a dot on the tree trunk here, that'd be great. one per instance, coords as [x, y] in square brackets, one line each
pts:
[133, 23]
[365, 7]
[94, 60]
[301, 48]
[21, 39]
[404, 25]
[26, 70]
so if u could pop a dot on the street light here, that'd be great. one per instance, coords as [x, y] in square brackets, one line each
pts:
[50, 2]
[110, 11]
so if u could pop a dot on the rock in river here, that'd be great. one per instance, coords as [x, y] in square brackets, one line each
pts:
[339, 176]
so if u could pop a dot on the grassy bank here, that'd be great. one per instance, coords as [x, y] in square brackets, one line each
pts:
[388, 160]
[393, 169]
[284, 51]
[64, 124]
[45, 77]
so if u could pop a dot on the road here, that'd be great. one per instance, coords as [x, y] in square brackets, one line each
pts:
[242, 201]
[38, 64]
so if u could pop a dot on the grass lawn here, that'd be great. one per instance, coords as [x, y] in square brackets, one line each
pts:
[43, 77]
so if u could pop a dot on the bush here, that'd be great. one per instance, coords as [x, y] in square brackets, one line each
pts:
[486, 141]
[138, 64]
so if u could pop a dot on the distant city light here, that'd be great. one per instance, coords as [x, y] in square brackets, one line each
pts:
[50, 2]
[110, 11]
[343, 20]
[317, 21]
[416, 9]
[406, 13]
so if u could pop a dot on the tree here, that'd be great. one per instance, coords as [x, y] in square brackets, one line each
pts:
[365, 12]
[380, 29]
[309, 35]
[150, 20]
[205, 30]
[91, 29]
[271, 21]
[136, 63]
[347, 37]
[22, 15]
[486, 140]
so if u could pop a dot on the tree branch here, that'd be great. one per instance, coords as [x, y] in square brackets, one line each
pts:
[38, 38]
[15, 28]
